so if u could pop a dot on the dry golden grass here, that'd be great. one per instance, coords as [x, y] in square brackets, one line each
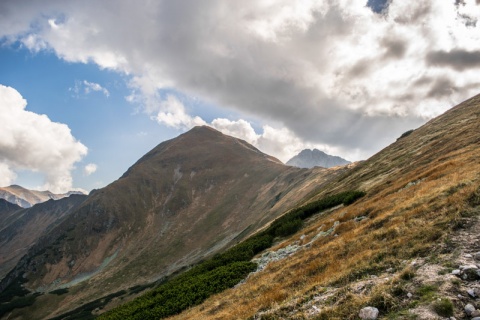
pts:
[405, 221]
[401, 230]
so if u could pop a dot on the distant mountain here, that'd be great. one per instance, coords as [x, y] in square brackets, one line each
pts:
[186, 199]
[21, 227]
[26, 198]
[315, 158]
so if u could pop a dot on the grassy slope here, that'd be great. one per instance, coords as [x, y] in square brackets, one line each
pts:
[235, 205]
[420, 191]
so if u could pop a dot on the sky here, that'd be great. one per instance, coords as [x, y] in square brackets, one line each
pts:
[88, 87]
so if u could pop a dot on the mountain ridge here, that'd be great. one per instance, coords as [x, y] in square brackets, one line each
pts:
[186, 199]
[26, 198]
[420, 191]
[418, 221]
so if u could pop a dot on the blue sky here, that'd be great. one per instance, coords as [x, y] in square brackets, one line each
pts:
[115, 78]
[115, 134]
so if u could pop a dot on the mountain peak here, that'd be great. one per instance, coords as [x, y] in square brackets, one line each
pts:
[308, 158]
[203, 145]
[204, 128]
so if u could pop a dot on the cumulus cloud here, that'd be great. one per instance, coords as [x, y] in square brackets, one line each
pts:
[172, 113]
[33, 142]
[89, 169]
[345, 75]
[240, 129]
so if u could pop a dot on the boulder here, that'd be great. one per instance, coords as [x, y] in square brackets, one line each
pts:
[368, 313]
[469, 309]
[471, 293]
[476, 256]
[468, 273]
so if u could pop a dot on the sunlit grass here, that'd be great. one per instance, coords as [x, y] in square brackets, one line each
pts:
[399, 222]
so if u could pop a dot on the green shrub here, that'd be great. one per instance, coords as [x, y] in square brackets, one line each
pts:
[474, 199]
[406, 134]
[289, 220]
[59, 292]
[15, 289]
[288, 228]
[17, 303]
[181, 293]
[443, 307]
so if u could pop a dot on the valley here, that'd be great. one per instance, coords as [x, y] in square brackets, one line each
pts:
[395, 248]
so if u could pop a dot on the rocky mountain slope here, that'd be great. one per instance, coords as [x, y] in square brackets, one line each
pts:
[26, 198]
[407, 250]
[187, 199]
[315, 158]
[22, 227]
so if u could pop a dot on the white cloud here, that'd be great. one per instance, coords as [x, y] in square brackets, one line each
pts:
[7, 176]
[92, 86]
[240, 129]
[89, 169]
[333, 73]
[172, 114]
[33, 142]
[86, 87]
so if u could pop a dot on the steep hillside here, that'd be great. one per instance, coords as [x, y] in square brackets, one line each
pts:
[408, 248]
[186, 199]
[6, 210]
[315, 158]
[23, 227]
[26, 198]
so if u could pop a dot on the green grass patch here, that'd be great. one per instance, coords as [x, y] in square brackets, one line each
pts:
[427, 292]
[443, 307]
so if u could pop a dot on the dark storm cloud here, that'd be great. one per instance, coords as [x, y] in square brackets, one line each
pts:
[442, 88]
[456, 59]
[333, 73]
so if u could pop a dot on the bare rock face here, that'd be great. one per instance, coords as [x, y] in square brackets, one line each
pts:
[368, 313]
